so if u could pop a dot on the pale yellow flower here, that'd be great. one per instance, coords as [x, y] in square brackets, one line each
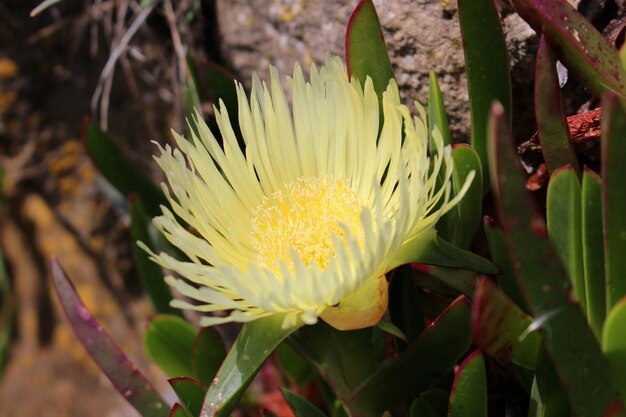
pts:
[318, 209]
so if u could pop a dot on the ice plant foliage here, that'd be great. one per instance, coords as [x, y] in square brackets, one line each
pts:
[306, 222]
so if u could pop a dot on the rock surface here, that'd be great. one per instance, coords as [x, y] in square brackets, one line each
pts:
[421, 36]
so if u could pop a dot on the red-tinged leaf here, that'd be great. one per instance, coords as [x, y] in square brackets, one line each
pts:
[551, 119]
[576, 42]
[500, 328]
[487, 68]
[179, 411]
[127, 379]
[500, 255]
[468, 397]
[190, 393]
[543, 281]
[614, 196]
[428, 359]
[366, 53]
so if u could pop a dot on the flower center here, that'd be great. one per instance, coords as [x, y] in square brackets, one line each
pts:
[304, 217]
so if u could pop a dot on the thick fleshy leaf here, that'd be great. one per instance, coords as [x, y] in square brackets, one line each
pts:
[366, 53]
[169, 342]
[121, 171]
[208, 354]
[294, 365]
[501, 329]
[256, 341]
[578, 44]
[404, 303]
[559, 318]
[614, 343]
[126, 379]
[500, 255]
[614, 196]
[428, 359]
[469, 390]
[487, 68]
[593, 249]
[179, 411]
[553, 400]
[428, 248]
[343, 358]
[431, 403]
[190, 393]
[468, 211]
[150, 273]
[563, 214]
[551, 118]
[300, 406]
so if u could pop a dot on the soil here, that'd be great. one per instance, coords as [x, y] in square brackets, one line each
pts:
[53, 205]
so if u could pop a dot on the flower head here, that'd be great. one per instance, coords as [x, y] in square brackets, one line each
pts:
[309, 218]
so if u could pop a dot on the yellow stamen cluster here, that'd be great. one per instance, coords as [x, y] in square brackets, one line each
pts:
[305, 217]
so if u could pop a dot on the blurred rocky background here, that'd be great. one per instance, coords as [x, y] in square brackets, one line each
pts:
[120, 62]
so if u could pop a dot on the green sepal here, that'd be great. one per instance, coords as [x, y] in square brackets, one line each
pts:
[300, 406]
[428, 248]
[298, 370]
